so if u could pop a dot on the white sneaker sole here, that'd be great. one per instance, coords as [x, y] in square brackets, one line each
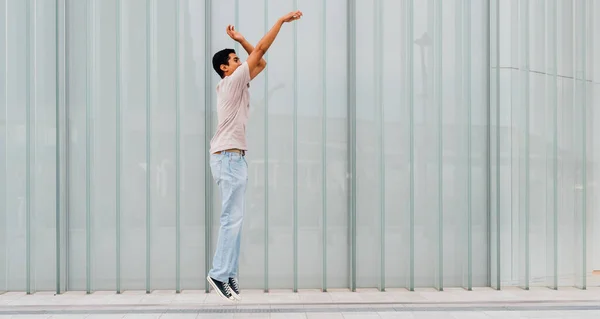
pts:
[236, 296]
[212, 283]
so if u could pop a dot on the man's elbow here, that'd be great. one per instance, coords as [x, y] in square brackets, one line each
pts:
[263, 63]
[259, 50]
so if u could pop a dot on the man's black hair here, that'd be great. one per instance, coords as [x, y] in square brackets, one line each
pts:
[221, 57]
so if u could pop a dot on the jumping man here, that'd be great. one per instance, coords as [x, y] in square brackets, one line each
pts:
[228, 150]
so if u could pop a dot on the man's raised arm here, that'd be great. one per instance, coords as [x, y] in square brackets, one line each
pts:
[254, 60]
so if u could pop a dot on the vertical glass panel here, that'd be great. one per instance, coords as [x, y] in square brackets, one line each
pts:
[77, 59]
[479, 143]
[43, 130]
[336, 144]
[368, 161]
[594, 195]
[551, 135]
[590, 167]
[437, 27]
[396, 146]
[252, 256]
[163, 124]
[537, 144]
[506, 191]
[133, 141]
[310, 93]
[516, 144]
[455, 148]
[192, 87]
[16, 146]
[221, 11]
[103, 139]
[219, 40]
[566, 151]
[566, 182]
[62, 154]
[580, 132]
[426, 136]
[505, 140]
[523, 123]
[3, 150]
[495, 159]
[280, 143]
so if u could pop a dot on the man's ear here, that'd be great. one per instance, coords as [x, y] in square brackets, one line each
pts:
[224, 67]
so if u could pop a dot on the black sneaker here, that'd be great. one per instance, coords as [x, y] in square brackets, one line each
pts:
[235, 289]
[222, 288]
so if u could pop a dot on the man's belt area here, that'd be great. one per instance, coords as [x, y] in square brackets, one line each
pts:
[233, 150]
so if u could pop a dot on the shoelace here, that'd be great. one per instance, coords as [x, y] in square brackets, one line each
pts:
[234, 284]
[227, 288]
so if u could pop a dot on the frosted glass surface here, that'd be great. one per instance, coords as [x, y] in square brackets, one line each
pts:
[472, 127]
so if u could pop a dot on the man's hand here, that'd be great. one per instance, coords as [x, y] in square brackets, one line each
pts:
[255, 59]
[292, 16]
[235, 35]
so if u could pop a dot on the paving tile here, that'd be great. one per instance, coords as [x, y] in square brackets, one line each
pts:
[215, 316]
[252, 315]
[360, 315]
[503, 314]
[287, 316]
[432, 315]
[470, 315]
[141, 316]
[325, 315]
[395, 315]
[179, 316]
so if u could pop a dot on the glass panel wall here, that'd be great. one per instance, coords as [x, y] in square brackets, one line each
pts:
[393, 144]
[543, 83]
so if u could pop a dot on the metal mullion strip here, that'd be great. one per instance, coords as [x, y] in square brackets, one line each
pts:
[266, 145]
[295, 151]
[88, 146]
[584, 145]
[208, 200]
[555, 138]
[458, 60]
[525, 74]
[5, 146]
[28, 147]
[177, 157]
[67, 221]
[57, 150]
[498, 158]
[468, 98]
[119, 158]
[488, 140]
[58, 142]
[377, 36]
[351, 91]
[33, 140]
[411, 106]
[440, 106]
[148, 144]
[324, 147]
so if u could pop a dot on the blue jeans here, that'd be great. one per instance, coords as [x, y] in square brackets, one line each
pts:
[230, 171]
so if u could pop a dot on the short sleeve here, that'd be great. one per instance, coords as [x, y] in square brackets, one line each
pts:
[240, 77]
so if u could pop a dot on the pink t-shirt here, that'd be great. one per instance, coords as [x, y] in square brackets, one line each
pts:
[232, 111]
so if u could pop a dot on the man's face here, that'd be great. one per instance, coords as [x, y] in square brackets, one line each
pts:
[234, 63]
